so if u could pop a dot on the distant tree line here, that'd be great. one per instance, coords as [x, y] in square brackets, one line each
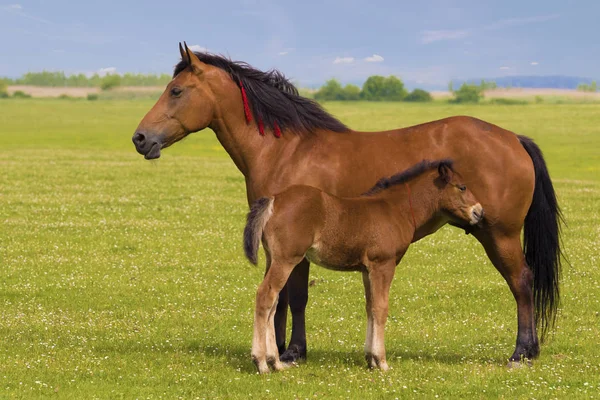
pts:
[60, 79]
[584, 87]
[470, 92]
[3, 88]
[375, 88]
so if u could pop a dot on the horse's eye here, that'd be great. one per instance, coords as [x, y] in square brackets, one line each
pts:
[462, 188]
[176, 92]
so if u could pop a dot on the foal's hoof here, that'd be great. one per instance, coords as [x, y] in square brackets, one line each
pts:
[293, 354]
[276, 365]
[261, 365]
[375, 363]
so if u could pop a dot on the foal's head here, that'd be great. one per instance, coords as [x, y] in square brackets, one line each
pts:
[455, 198]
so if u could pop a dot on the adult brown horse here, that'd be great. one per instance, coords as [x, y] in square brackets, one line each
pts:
[277, 139]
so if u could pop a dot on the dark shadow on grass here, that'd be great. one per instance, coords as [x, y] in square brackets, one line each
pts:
[442, 357]
[237, 357]
[354, 358]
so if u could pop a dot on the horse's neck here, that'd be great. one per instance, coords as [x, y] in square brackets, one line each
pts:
[253, 154]
[236, 139]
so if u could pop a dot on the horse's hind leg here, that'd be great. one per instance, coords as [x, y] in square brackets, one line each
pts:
[506, 254]
[297, 289]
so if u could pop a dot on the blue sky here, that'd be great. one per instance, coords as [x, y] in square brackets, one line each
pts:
[427, 42]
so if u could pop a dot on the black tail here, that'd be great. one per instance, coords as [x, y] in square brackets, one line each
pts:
[542, 241]
[259, 214]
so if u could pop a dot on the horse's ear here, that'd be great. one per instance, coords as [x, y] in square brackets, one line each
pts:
[183, 53]
[193, 60]
[445, 172]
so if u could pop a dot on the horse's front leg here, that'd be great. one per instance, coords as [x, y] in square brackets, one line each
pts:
[380, 277]
[297, 295]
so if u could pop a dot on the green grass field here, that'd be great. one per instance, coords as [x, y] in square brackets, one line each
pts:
[123, 278]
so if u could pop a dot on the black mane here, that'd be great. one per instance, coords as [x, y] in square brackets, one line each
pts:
[407, 175]
[273, 98]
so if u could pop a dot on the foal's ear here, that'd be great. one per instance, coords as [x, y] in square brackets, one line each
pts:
[445, 171]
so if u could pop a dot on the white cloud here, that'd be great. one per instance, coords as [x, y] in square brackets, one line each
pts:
[435, 36]
[343, 60]
[374, 58]
[522, 21]
[504, 68]
[534, 63]
[283, 53]
[17, 9]
[198, 48]
[107, 71]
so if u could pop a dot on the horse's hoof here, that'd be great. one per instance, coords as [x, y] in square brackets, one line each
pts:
[293, 354]
[514, 364]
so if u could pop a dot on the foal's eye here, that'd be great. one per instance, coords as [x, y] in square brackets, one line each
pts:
[176, 92]
[462, 188]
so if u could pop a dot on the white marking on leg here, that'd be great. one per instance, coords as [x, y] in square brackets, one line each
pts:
[272, 351]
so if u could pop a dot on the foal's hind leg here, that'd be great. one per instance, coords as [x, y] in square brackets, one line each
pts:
[271, 350]
[264, 350]
[506, 254]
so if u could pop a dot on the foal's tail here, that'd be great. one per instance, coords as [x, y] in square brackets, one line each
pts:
[542, 240]
[260, 212]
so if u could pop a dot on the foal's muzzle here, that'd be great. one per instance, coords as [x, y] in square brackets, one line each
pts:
[477, 214]
[149, 148]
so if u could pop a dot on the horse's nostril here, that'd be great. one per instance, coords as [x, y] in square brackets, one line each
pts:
[139, 138]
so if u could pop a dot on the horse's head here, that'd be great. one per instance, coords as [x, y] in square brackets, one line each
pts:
[187, 105]
[456, 198]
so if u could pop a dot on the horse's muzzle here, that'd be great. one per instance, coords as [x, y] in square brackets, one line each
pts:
[149, 148]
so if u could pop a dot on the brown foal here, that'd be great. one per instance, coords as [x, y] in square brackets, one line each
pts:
[368, 234]
[277, 139]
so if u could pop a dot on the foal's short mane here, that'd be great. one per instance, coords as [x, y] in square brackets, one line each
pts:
[272, 98]
[407, 175]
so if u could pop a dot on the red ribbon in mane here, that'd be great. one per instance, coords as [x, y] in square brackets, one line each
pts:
[276, 130]
[246, 105]
[248, 114]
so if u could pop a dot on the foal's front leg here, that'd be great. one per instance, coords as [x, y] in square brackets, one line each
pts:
[379, 281]
[368, 307]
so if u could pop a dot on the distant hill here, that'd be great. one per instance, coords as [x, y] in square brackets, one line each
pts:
[533, 82]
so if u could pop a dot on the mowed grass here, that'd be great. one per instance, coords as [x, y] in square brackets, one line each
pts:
[123, 278]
